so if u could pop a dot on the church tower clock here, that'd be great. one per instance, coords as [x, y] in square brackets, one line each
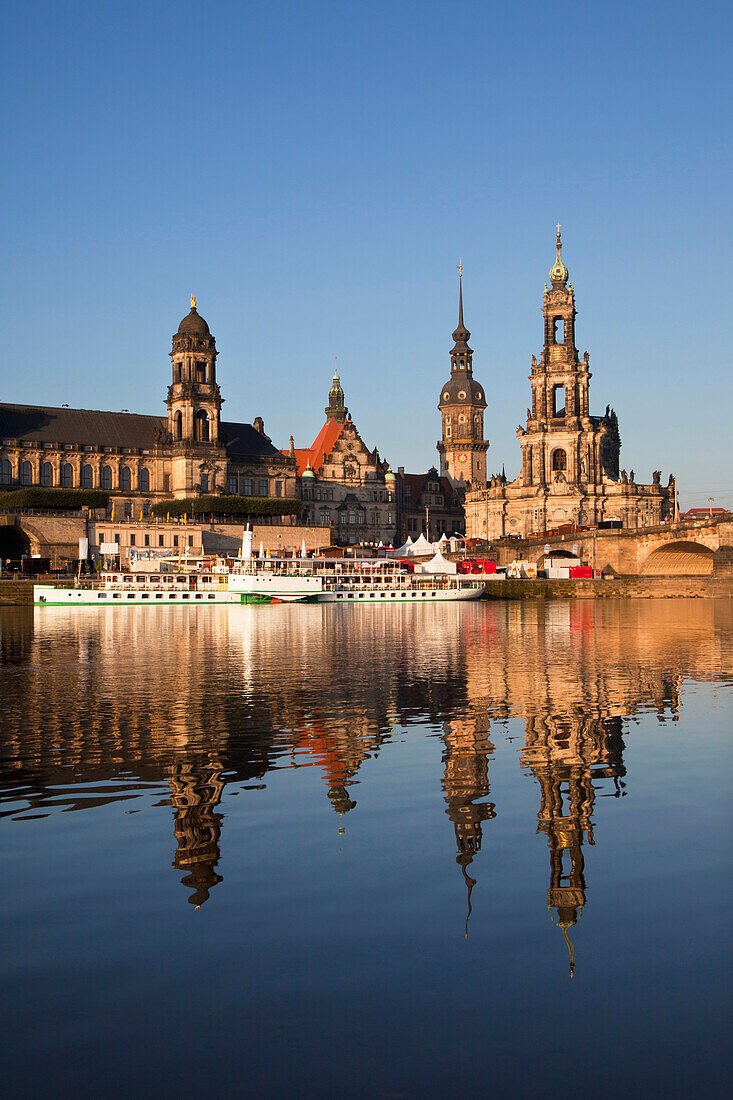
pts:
[463, 447]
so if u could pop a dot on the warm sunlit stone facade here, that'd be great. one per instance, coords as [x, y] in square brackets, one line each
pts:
[570, 459]
[143, 459]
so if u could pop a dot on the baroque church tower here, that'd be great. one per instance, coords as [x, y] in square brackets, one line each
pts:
[463, 447]
[194, 399]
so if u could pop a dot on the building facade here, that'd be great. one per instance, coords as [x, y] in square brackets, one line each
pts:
[342, 483]
[141, 459]
[429, 503]
[570, 459]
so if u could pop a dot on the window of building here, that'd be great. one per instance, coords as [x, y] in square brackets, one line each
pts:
[87, 477]
[200, 371]
[106, 477]
[178, 425]
[325, 518]
[132, 540]
[361, 517]
[166, 483]
[117, 537]
[558, 401]
[190, 540]
[67, 476]
[143, 480]
[128, 509]
[248, 486]
[147, 540]
[205, 483]
[389, 518]
[559, 459]
[125, 479]
[201, 427]
[146, 509]
[263, 487]
[175, 540]
[176, 372]
[160, 540]
[352, 518]
[278, 488]
[232, 483]
[26, 473]
[47, 474]
[558, 330]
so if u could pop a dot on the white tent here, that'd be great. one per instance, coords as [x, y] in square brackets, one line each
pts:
[406, 548]
[421, 546]
[439, 564]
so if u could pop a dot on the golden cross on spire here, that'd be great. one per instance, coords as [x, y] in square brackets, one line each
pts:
[559, 227]
[460, 268]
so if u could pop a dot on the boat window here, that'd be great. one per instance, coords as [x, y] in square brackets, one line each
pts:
[211, 597]
[146, 595]
[172, 596]
[131, 595]
[185, 595]
[116, 596]
[101, 595]
[199, 596]
[159, 595]
[339, 596]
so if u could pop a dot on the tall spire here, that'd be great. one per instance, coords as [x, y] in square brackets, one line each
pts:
[558, 271]
[461, 335]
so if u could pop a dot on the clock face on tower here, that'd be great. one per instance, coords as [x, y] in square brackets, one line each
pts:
[463, 457]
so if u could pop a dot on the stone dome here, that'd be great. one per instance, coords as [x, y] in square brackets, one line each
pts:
[462, 389]
[193, 324]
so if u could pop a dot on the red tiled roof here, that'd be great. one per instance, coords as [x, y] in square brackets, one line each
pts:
[416, 484]
[322, 447]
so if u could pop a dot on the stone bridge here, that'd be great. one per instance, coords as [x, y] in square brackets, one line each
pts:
[697, 548]
[54, 537]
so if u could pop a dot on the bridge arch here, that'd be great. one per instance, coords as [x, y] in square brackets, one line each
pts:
[14, 542]
[683, 558]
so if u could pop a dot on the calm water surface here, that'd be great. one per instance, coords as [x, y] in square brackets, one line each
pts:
[398, 852]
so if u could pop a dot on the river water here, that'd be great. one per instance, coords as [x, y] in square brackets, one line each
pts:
[392, 852]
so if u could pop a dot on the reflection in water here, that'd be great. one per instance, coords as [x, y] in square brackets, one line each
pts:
[101, 706]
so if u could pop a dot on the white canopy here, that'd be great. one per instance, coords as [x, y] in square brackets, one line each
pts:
[439, 564]
[406, 547]
[421, 545]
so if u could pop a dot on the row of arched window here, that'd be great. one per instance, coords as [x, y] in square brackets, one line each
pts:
[66, 476]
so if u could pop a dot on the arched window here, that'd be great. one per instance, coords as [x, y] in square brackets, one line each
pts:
[125, 479]
[178, 425]
[6, 471]
[201, 427]
[143, 480]
[559, 460]
[47, 475]
[106, 478]
[176, 372]
[558, 330]
[26, 473]
[87, 477]
[200, 371]
[558, 401]
[67, 476]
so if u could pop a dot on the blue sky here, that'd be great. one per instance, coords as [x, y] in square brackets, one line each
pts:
[313, 171]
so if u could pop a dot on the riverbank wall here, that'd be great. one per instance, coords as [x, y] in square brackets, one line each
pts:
[598, 589]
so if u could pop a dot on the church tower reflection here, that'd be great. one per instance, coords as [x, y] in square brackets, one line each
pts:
[465, 780]
[569, 757]
[196, 790]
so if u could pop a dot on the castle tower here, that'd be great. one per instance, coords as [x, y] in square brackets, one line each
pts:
[194, 400]
[336, 409]
[463, 447]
